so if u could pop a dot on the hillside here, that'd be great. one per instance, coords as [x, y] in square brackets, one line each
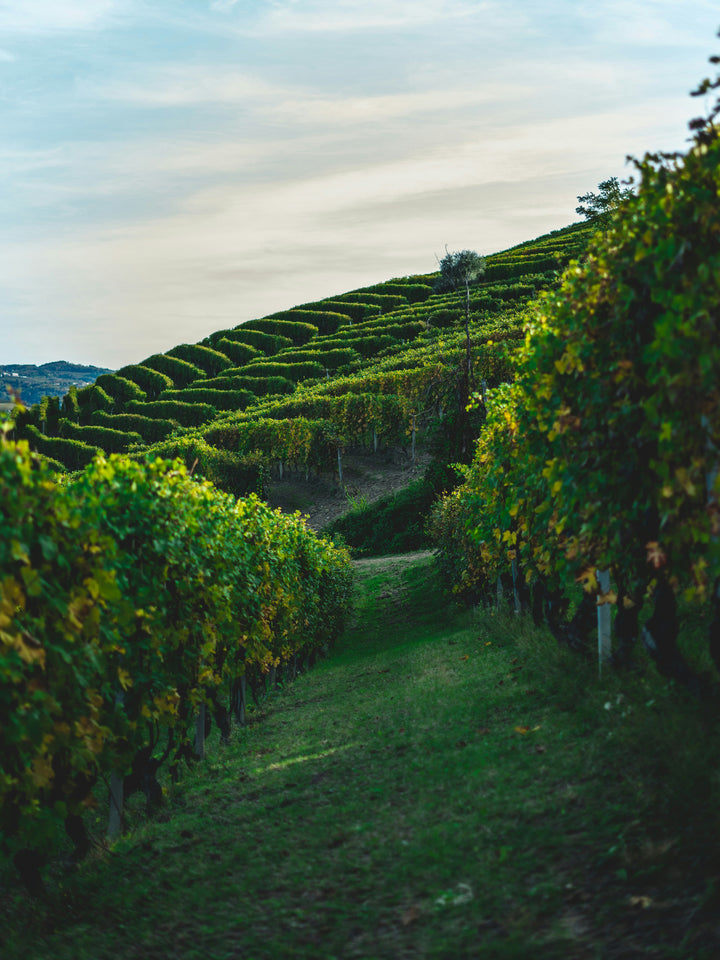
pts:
[372, 372]
[444, 786]
[31, 383]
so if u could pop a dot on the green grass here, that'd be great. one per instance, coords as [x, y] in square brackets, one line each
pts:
[445, 785]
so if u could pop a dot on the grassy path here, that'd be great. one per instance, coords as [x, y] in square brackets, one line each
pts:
[443, 786]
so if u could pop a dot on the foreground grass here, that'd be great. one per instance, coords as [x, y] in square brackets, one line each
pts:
[445, 785]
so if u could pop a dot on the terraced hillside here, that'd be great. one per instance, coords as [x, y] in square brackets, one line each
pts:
[374, 369]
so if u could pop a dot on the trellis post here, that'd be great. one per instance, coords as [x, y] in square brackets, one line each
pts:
[604, 614]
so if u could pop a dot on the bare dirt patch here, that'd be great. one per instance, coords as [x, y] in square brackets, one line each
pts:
[366, 477]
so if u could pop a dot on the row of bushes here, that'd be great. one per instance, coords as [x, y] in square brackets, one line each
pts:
[297, 332]
[130, 597]
[325, 320]
[259, 386]
[290, 371]
[151, 430]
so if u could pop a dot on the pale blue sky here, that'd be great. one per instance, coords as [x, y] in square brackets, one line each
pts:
[173, 167]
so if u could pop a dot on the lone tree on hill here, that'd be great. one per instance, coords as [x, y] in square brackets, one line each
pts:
[459, 269]
[599, 207]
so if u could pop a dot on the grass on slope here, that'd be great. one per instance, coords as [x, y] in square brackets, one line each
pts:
[446, 785]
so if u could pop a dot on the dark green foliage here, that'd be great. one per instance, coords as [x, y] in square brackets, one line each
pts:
[395, 523]
[151, 381]
[265, 342]
[71, 405]
[412, 292]
[330, 358]
[298, 333]
[352, 310]
[186, 414]
[259, 386]
[326, 320]
[91, 398]
[25, 417]
[291, 371]
[120, 389]
[239, 353]
[599, 207]
[220, 399]
[382, 302]
[151, 430]
[72, 454]
[50, 414]
[366, 346]
[505, 270]
[180, 371]
[446, 317]
[212, 362]
[238, 474]
[107, 438]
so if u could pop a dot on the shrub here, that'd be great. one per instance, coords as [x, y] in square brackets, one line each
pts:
[298, 333]
[290, 371]
[266, 343]
[219, 399]
[186, 414]
[259, 386]
[107, 438]
[180, 371]
[120, 389]
[239, 353]
[324, 319]
[151, 430]
[92, 398]
[151, 381]
[332, 358]
[210, 361]
[72, 454]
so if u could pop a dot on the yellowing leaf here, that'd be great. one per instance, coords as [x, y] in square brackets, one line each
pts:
[125, 679]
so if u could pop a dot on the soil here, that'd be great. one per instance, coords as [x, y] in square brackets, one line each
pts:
[366, 477]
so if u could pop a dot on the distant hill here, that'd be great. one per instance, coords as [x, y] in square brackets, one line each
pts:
[32, 383]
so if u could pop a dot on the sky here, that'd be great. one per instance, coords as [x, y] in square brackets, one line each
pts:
[170, 168]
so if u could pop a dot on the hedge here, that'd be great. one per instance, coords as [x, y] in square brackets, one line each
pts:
[151, 430]
[267, 343]
[332, 358]
[92, 398]
[326, 320]
[298, 333]
[120, 389]
[70, 405]
[385, 301]
[186, 414]
[180, 371]
[210, 361]
[237, 352]
[259, 386]
[219, 399]
[232, 472]
[153, 382]
[413, 292]
[73, 454]
[291, 371]
[107, 438]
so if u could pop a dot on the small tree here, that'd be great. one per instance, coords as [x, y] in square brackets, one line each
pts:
[599, 207]
[459, 269]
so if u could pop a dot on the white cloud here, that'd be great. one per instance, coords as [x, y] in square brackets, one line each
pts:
[48, 16]
[333, 16]
[177, 86]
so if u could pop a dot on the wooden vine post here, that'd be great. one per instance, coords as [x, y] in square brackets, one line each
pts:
[200, 732]
[115, 814]
[604, 613]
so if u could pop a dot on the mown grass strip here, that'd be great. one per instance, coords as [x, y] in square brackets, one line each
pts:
[446, 785]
